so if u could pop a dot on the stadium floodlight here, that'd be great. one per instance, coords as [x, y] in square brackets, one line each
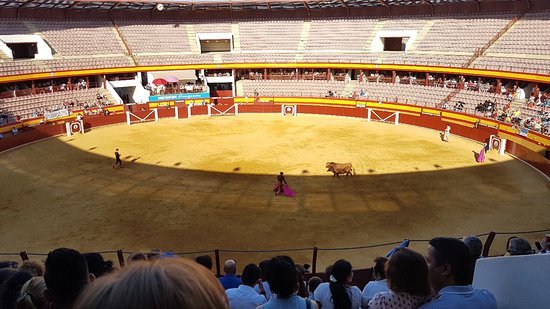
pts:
[160, 6]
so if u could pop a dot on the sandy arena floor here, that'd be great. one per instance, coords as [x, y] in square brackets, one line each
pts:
[206, 183]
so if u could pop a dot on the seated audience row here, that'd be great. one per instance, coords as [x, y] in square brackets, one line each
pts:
[162, 280]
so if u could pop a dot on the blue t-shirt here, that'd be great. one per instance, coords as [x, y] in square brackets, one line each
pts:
[230, 282]
[459, 297]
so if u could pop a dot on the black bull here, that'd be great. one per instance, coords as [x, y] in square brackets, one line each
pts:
[340, 168]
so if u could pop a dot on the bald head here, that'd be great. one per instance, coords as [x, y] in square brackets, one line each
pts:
[230, 267]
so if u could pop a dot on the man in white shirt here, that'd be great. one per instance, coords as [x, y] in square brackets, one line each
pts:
[245, 297]
[379, 283]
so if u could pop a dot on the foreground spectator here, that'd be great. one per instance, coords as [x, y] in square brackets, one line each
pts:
[262, 283]
[312, 284]
[230, 280]
[407, 277]
[136, 257]
[204, 260]
[172, 283]
[97, 266]
[32, 294]
[66, 276]
[36, 269]
[379, 283]
[9, 264]
[519, 246]
[153, 254]
[474, 247]
[245, 297]
[302, 289]
[338, 293]
[449, 267]
[508, 244]
[5, 274]
[11, 288]
[283, 280]
[546, 244]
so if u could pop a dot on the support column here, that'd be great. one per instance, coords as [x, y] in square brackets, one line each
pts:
[427, 81]
[265, 74]
[70, 84]
[329, 74]
[87, 82]
[393, 74]
[33, 89]
[360, 76]
[499, 86]
[536, 91]
[234, 84]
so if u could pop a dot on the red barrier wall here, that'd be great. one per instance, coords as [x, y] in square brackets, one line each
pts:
[535, 159]
[479, 133]
[31, 134]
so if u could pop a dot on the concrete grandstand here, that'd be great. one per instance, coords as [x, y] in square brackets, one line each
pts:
[483, 66]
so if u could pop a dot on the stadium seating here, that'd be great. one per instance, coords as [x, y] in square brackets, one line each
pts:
[385, 92]
[440, 41]
[80, 38]
[33, 105]
[155, 38]
[272, 35]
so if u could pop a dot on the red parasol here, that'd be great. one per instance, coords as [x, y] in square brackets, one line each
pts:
[160, 81]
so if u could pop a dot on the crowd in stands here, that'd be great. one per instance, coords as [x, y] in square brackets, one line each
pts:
[440, 278]
[171, 88]
[479, 96]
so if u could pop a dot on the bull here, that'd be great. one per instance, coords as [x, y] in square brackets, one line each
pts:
[340, 168]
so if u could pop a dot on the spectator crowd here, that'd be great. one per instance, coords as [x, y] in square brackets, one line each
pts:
[440, 278]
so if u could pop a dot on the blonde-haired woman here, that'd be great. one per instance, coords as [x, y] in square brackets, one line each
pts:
[165, 283]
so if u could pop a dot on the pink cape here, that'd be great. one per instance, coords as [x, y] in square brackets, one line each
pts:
[287, 191]
[481, 157]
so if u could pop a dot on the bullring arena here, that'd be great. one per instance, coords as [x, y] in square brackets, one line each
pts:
[211, 179]
[208, 103]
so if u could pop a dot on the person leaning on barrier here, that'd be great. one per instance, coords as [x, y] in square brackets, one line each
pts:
[169, 283]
